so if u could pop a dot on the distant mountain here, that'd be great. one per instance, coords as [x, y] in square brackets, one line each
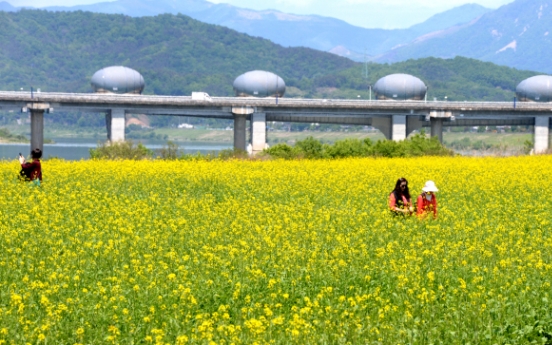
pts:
[456, 16]
[141, 8]
[517, 35]
[333, 35]
[289, 30]
[7, 7]
[176, 54]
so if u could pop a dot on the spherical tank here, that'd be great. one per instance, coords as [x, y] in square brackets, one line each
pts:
[535, 89]
[118, 79]
[400, 87]
[259, 84]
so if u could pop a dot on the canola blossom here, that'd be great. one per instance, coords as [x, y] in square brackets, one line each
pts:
[276, 252]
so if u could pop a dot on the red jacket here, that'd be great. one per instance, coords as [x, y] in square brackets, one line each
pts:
[33, 170]
[425, 206]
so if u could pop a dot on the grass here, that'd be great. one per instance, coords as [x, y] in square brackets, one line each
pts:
[505, 139]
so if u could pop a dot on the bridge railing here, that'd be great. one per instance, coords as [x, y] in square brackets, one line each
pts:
[103, 98]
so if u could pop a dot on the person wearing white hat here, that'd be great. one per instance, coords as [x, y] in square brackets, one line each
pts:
[427, 201]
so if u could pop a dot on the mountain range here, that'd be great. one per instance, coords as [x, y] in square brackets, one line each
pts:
[289, 30]
[60, 51]
[518, 35]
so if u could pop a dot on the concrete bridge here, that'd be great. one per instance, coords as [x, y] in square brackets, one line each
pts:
[395, 119]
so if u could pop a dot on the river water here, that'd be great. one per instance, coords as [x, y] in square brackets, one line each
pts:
[79, 148]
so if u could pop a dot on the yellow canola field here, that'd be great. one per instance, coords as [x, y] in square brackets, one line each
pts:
[276, 252]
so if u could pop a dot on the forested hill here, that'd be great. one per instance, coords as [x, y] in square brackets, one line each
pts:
[459, 79]
[177, 55]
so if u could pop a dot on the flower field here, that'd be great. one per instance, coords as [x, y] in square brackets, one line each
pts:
[276, 252]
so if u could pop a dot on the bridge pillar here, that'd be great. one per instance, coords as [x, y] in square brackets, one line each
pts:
[115, 124]
[37, 129]
[258, 132]
[542, 131]
[240, 122]
[393, 127]
[399, 128]
[384, 125]
[413, 123]
[437, 128]
[37, 123]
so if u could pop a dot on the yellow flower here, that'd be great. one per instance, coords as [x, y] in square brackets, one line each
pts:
[249, 252]
[431, 276]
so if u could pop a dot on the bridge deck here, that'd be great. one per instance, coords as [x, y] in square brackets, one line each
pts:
[112, 100]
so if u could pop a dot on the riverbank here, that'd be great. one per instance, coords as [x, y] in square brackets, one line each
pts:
[227, 136]
[8, 137]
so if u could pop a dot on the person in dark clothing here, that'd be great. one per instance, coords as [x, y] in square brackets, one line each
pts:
[400, 202]
[31, 171]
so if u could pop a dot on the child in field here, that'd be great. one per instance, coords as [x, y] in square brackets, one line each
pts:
[427, 201]
[31, 171]
[400, 202]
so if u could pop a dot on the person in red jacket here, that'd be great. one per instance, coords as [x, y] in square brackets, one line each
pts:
[400, 202]
[427, 201]
[32, 171]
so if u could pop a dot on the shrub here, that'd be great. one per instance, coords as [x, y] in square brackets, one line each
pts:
[232, 154]
[281, 151]
[121, 150]
[349, 148]
[311, 148]
[389, 148]
[170, 151]
[198, 156]
[6, 134]
[420, 145]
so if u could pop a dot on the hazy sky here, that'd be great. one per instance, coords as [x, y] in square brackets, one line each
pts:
[365, 13]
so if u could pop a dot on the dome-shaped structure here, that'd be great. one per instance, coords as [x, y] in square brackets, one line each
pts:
[400, 87]
[118, 79]
[259, 84]
[535, 89]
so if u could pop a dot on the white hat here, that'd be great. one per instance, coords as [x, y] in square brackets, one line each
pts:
[430, 187]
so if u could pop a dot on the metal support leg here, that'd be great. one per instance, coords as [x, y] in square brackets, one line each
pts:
[258, 132]
[542, 131]
[437, 128]
[37, 129]
[239, 132]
